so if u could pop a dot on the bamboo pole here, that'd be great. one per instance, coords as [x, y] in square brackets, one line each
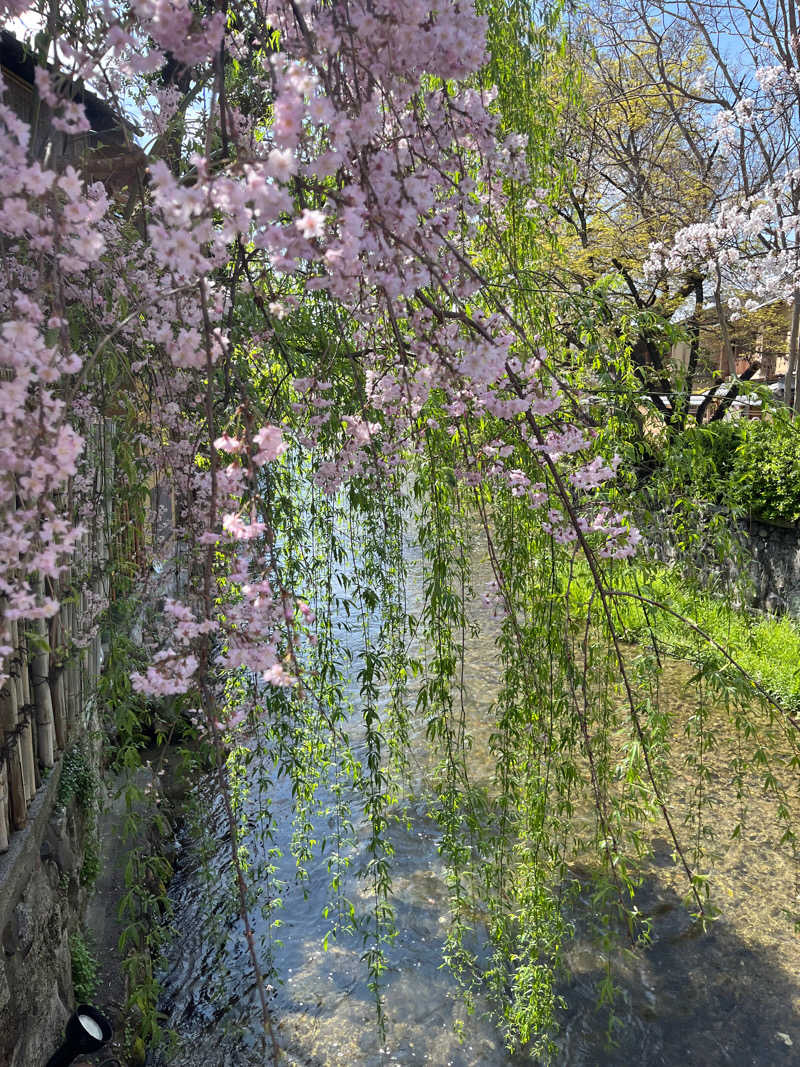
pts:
[75, 668]
[4, 833]
[11, 781]
[27, 668]
[58, 692]
[69, 672]
[85, 664]
[18, 809]
[56, 674]
[97, 660]
[40, 682]
[24, 712]
[100, 559]
[107, 509]
[68, 664]
[83, 659]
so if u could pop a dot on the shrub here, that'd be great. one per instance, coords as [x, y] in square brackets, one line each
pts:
[78, 781]
[766, 469]
[750, 466]
[84, 968]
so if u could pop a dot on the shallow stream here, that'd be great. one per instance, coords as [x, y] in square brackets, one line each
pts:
[727, 996]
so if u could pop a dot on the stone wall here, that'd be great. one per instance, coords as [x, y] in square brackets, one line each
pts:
[768, 554]
[775, 565]
[42, 902]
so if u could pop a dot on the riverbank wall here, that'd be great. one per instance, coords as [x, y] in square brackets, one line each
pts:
[762, 568]
[774, 552]
[44, 887]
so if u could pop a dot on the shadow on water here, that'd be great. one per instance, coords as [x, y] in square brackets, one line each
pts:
[325, 1011]
[690, 997]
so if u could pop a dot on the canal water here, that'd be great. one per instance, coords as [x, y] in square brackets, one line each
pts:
[730, 995]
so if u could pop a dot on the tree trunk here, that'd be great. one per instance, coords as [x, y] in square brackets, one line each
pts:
[790, 392]
[727, 347]
[693, 326]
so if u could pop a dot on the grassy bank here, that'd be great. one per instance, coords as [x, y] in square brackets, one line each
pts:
[767, 648]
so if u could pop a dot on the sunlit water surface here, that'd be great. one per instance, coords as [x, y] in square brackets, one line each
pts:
[727, 996]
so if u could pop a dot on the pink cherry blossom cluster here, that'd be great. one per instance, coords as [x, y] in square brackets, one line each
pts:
[619, 536]
[50, 217]
[749, 248]
[363, 184]
[170, 673]
[751, 245]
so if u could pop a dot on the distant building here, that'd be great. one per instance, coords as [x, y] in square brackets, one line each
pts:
[757, 336]
[106, 152]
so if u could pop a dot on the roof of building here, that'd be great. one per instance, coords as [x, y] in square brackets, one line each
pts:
[20, 60]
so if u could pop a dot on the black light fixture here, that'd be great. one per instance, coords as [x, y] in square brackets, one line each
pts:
[87, 1031]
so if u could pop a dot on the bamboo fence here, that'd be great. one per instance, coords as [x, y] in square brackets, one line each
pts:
[53, 668]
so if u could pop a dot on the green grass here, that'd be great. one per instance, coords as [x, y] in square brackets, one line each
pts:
[766, 647]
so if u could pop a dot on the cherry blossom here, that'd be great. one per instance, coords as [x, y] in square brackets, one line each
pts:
[354, 185]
